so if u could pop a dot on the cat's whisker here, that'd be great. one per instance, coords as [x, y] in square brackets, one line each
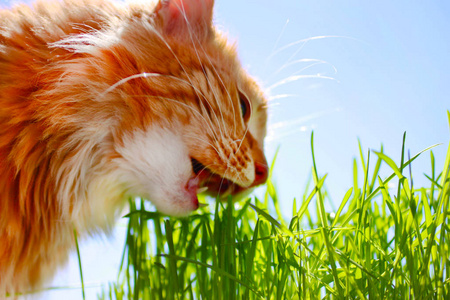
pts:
[184, 69]
[206, 168]
[126, 79]
[211, 110]
[205, 141]
[298, 77]
[194, 44]
[205, 72]
[229, 159]
[158, 34]
[312, 62]
[73, 146]
[246, 128]
[302, 42]
[310, 66]
[209, 125]
[185, 17]
[283, 129]
[229, 96]
[201, 95]
[222, 83]
[189, 83]
[223, 179]
[280, 96]
[273, 137]
[275, 46]
[208, 80]
[216, 99]
[242, 140]
[302, 120]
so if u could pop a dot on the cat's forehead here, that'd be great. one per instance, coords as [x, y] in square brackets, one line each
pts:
[215, 53]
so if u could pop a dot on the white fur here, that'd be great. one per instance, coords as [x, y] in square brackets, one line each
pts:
[155, 165]
[105, 196]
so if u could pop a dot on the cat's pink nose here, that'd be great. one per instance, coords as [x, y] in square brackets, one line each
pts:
[261, 173]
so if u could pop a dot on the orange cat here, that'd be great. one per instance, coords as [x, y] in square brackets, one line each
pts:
[102, 101]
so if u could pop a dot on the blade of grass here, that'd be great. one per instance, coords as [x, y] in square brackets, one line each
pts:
[83, 294]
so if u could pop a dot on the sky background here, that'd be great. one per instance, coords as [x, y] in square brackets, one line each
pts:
[364, 69]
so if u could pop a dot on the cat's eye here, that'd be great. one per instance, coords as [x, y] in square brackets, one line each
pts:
[245, 106]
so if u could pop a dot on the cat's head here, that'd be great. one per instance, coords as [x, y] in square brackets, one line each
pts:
[182, 112]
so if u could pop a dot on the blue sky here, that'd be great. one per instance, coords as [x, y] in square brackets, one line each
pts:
[388, 62]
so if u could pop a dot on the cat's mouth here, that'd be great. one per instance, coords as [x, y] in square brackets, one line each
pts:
[214, 184]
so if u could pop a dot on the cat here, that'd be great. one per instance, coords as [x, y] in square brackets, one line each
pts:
[103, 101]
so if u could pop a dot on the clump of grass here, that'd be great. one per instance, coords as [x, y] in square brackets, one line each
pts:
[381, 243]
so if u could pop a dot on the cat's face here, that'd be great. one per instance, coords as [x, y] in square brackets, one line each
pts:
[185, 116]
[203, 113]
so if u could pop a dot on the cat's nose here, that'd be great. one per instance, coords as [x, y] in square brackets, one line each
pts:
[261, 173]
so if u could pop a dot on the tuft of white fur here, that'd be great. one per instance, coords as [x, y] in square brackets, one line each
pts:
[155, 165]
[105, 195]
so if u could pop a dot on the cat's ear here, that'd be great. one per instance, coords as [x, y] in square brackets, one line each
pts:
[181, 17]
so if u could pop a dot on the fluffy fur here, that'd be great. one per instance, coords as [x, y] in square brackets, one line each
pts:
[99, 102]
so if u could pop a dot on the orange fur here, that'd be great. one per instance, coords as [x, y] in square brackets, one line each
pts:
[84, 85]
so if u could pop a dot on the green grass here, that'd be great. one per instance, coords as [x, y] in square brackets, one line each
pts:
[387, 240]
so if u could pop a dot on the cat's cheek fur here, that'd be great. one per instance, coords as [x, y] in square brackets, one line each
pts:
[155, 165]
